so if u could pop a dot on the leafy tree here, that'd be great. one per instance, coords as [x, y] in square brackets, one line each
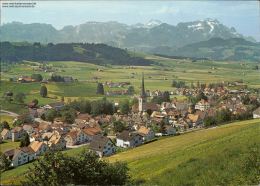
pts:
[124, 107]
[119, 126]
[201, 95]
[86, 169]
[134, 101]
[162, 127]
[157, 99]
[4, 125]
[35, 101]
[8, 96]
[130, 90]
[178, 84]
[209, 121]
[4, 162]
[25, 140]
[43, 91]
[37, 77]
[19, 97]
[68, 116]
[166, 96]
[101, 107]
[50, 115]
[18, 122]
[100, 89]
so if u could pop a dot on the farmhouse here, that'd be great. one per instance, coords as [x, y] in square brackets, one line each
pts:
[202, 105]
[25, 79]
[38, 147]
[75, 137]
[57, 142]
[146, 133]
[256, 113]
[17, 133]
[6, 134]
[20, 156]
[102, 145]
[126, 139]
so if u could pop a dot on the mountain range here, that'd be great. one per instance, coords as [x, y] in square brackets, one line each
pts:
[152, 37]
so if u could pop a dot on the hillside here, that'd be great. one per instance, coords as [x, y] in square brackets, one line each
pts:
[235, 49]
[214, 156]
[92, 53]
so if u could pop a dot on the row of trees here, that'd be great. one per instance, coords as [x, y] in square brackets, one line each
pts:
[225, 115]
[18, 97]
[165, 97]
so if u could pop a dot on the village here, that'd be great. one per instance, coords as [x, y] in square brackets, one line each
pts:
[150, 116]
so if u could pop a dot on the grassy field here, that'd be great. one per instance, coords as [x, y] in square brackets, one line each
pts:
[206, 157]
[8, 144]
[156, 77]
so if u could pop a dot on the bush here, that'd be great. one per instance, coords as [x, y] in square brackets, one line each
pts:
[85, 169]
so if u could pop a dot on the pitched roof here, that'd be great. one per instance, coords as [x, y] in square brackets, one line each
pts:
[99, 142]
[144, 130]
[28, 150]
[4, 132]
[73, 134]
[17, 129]
[91, 131]
[36, 145]
[127, 136]
[193, 117]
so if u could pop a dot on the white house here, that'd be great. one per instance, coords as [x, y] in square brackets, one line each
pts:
[102, 145]
[126, 139]
[256, 113]
[20, 156]
[202, 105]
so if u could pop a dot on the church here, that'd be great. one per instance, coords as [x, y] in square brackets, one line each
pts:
[143, 105]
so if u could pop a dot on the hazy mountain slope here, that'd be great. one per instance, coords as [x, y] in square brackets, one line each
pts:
[217, 49]
[138, 36]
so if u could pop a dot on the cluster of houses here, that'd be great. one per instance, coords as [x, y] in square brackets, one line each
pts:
[116, 84]
[146, 121]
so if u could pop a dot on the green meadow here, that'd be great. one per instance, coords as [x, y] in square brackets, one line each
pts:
[157, 77]
[213, 156]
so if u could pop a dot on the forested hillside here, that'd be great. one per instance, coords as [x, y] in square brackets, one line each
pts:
[92, 53]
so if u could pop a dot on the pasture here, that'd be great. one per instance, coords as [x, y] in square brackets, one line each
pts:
[157, 77]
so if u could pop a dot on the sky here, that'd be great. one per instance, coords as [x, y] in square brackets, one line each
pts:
[244, 16]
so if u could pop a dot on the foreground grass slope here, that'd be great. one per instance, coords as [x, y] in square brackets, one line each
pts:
[207, 157]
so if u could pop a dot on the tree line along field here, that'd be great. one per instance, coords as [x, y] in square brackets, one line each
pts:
[214, 156]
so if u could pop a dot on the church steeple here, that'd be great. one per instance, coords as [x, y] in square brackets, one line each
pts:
[142, 98]
[142, 87]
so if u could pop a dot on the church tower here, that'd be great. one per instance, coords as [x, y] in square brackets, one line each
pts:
[142, 98]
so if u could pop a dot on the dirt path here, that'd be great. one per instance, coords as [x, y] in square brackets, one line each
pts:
[6, 112]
